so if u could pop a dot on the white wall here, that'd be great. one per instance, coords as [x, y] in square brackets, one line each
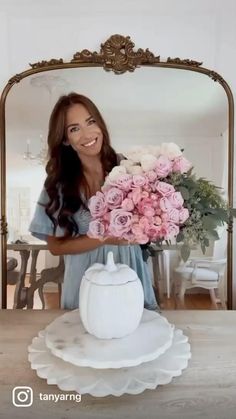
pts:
[31, 31]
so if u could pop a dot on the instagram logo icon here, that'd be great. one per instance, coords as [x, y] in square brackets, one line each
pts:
[22, 396]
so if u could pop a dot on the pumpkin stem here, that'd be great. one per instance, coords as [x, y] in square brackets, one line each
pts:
[110, 265]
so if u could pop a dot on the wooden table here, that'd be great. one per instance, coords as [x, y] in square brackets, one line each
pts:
[207, 388]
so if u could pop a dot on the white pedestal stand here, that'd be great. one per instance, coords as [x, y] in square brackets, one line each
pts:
[66, 355]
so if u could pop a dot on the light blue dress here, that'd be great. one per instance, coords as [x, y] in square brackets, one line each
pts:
[76, 264]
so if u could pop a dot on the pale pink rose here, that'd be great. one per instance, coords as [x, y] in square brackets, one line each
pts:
[114, 198]
[141, 238]
[151, 175]
[165, 204]
[173, 215]
[165, 217]
[145, 207]
[172, 231]
[130, 237]
[157, 220]
[135, 218]
[164, 189]
[144, 223]
[163, 166]
[183, 215]
[181, 164]
[154, 232]
[97, 205]
[135, 195]
[148, 187]
[137, 229]
[120, 222]
[163, 230]
[127, 204]
[96, 229]
[138, 181]
[123, 181]
[145, 194]
[176, 200]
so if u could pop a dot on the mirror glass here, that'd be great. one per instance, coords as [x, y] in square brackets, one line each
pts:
[150, 106]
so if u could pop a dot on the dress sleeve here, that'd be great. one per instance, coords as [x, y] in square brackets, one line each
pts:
[41, 225]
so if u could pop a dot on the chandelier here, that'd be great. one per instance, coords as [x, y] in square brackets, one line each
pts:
[53, 85]
[42, 156]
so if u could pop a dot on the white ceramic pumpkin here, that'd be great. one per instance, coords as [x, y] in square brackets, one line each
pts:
[111, 300]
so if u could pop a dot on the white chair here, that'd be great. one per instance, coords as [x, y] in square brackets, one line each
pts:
[203, 272]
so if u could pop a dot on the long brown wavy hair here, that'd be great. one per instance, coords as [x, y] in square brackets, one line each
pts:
[65, 178]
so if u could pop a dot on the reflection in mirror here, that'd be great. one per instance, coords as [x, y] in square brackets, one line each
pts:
[150, 106]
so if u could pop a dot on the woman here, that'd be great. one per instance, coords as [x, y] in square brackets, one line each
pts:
[80, 156]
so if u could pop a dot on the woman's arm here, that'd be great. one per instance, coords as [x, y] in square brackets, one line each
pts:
[81, 244]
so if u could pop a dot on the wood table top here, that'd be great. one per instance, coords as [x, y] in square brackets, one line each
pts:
[206, 389]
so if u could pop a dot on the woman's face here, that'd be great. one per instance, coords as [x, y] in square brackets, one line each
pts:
[82, 131]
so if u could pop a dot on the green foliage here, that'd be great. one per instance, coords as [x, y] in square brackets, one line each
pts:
[207, 211]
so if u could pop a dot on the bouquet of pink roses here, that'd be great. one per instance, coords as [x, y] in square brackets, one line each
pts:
[136, 203]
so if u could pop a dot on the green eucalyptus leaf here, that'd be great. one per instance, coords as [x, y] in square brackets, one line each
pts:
[179, 237]
[213, 234]
[210, 222]
[184, 192]
[185, 252]
[203, 247]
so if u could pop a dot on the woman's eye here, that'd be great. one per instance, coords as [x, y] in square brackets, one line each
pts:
[92, 121]
[73, 129]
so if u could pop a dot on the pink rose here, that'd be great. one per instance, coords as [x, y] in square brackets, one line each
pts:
[163, 166]
[165, 204]
[135, 195]
[176, 200]
[144, 223]
[123, 181]
[173, 215]
[151, 175]
[137, 229]
[165, 217]
[139, 180]
[154, 232]
[181, 164]
[157, 220]
[114, 198]
[127, 204]
[96, 229]
[120, 222]
[130, 237]
[172, 231]
[183, 215]
[97, 205]
[165, 189]
[145, 194]
[145, 207]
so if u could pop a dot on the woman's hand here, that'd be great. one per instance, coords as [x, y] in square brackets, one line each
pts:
[115, 241]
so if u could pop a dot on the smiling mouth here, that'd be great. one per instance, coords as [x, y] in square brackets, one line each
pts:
[91, 143]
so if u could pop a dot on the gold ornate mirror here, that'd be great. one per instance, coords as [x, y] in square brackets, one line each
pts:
[151, 101]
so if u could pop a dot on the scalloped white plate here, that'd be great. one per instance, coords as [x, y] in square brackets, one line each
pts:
[101, 383]
[68, 340]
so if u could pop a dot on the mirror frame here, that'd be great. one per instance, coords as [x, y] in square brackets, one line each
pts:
[116, 54]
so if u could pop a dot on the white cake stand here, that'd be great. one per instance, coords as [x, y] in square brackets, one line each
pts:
[57, 341]
[68, 340]
[100, 383]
